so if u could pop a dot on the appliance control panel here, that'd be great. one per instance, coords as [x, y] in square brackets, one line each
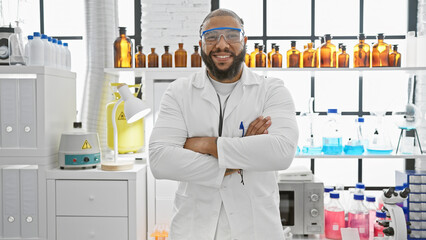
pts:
[314, 206]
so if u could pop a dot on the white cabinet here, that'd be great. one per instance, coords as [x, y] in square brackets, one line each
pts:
[96, 204]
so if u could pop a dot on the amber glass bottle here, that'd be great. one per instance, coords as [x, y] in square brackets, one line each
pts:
[260, 58]
[253, 55]
[270, 54]
[343, 58]
[195, 58]
[328, 53]
[380, 54]
[310, 57]
[152, 59]
[180, 56]
[293, 56]
[277, 58]
[395, 57]
[140, 58]
[166, 58]
[362, 53]
[247, 60]
[122, 50]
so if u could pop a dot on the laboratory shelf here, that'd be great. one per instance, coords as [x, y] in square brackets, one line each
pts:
[363, 156]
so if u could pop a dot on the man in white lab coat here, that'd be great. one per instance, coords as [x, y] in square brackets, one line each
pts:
[226, 167]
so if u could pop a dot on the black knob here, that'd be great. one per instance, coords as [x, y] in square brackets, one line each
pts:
[388, 231]
[408, 231]
[408, 223]
[384, 223]
[86, 159]
[404, 193]
[388, 193]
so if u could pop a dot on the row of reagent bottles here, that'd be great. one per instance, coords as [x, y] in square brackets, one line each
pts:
[42, 50]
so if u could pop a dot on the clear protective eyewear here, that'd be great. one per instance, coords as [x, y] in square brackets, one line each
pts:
[231, 35]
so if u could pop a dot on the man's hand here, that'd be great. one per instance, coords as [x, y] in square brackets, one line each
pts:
[204, 145]
[259, 126]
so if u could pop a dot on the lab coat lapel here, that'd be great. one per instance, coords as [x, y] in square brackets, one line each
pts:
[208, 92]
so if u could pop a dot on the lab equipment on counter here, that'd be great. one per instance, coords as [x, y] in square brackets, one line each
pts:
[180, 56]
[166, 58]
[396, 228]
[153, 59]
[332, 139]
[277, 58]
[379, 143]
[79, 149]
[328, 53]
[358, 217]
[295, 173]
[355, 145]
[16, 47]
[311, 146]
[134, 110]
[196, 58]
[293, 56]
[5, 33]
[362, 55]
[123, 49]
[378, 229]
[334, 215]
[130, 136]
[380, 53]
[261, 58]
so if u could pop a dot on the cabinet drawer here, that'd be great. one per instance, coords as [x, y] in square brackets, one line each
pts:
[91, 198]
[93, 228]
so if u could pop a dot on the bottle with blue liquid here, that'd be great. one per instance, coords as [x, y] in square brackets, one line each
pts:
[332, 139]
[355, 145]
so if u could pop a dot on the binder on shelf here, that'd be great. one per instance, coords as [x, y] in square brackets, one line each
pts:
[8, 113]
[29, 201]
[11, 201]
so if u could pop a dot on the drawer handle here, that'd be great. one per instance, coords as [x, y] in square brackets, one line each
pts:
[11, 219]
[29, 219]
[91, 198]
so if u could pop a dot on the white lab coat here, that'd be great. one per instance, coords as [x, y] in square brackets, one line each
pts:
[190, 108]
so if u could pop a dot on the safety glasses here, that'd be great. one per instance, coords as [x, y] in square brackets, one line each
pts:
[231, 35]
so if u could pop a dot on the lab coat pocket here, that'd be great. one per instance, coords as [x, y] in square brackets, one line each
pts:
[182, 219]
[267, 216]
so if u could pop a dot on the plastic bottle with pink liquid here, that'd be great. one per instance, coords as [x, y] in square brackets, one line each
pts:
[334, 217]
[358, 217]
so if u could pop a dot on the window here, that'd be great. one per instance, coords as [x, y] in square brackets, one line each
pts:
[280, 21]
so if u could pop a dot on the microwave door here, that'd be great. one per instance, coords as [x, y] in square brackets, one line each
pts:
[291, 206]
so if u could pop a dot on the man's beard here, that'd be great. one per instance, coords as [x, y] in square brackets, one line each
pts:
[229, 73]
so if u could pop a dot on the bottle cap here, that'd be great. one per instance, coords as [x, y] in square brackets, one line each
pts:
[166, 48]
[54, 40]
[328, 189]
[122, 30]
[322, 40]
[36, 34]
[334, 195]
[332, 110]
[360, 186]
[59, 42]
[399, 188]
[380, 36]
[43, 36]
[340, 45]
[358, 197]
[273, 45]
[360, 119]
[380, 214]
[277, 48]
[77, 125]
[196, 47]
[139, 48]
[327, 37]
[256, 45]
[65, 44]
[343, 48]
[260, 48]
[370, 198]
[49, 39]
[293, 43]
[395, 47]
[361, 36]
[30, 37]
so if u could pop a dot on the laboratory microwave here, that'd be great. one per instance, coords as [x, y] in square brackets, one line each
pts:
[302, 206]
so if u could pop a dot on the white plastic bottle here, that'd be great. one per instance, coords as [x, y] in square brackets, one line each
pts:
[68, 57]
[360, 188]
[59, 54]
[47, 60]
[372, 208]
[27, 49]
[63, 55]
[54, 52]
[36, 52]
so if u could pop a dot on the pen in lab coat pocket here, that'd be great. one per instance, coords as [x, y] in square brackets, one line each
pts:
[242, 128]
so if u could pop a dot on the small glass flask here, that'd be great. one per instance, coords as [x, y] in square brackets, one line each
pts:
[122, 50]
[270, 55]
[180, 56]
[195, 58]
[328, 53]
[362, 57]
[277, 58]
[166, 58]
[310, 59]
[140, 58]
[343, 58]
[261, 58]
[253, 55]
[293, 56]
[153, 59]
[380, 54]
[395, 57]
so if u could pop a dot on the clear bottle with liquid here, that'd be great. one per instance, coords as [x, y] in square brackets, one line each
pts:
[153, 59]
[362, 56]
[122, 50]
[293, 56]
[277, 58]
[140, 58]
[16, 47]
[328, 53]
[343, 58]
[327, 191]
[332, 139]
[253, 55]
[195, 57]
[379, 142]
[358, 217]
[395, 57]
[372, 208]
[310, 59]
[334, 216]
[380, 56]
[166, 58]
[378, 229]
[180, 56]
[270, 55]
[261, 58]
[355, 145]
[67, 57]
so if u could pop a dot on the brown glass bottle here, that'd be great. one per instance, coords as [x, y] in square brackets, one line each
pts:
[380, 54]
[122, 50]
[253, 55]
[152, 59]
[261, 58]
[277, 58]
[328, 53]
[140, 58]
[166, 58]
[343, 58]
[362, 57]
[395, 57]
[310, 57]
[180, 56]
[293, 56]
[195, 58]
[270, 54]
